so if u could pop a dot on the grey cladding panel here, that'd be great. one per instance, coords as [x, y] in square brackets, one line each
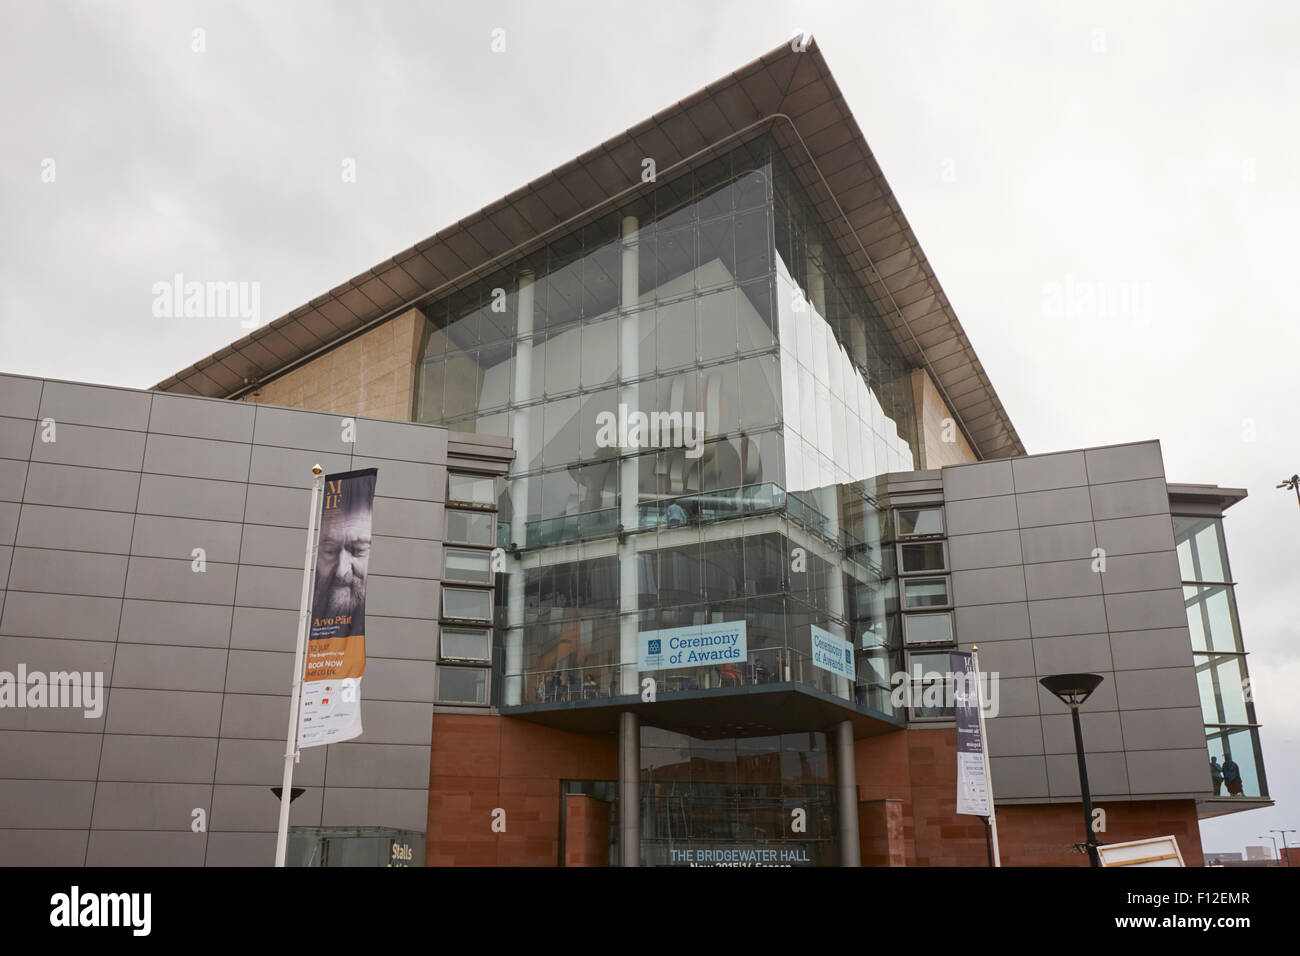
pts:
[91, 447]
[96, 405]
[979, 480]
[76, 487]
[1130, 499]
[196, 458]
[1047, 472]
[20, 397]
[1124, 462]
[199, 418]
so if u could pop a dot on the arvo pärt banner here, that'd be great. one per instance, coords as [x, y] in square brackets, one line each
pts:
[336, 638]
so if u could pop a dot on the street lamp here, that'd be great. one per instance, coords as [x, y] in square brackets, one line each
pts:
[1285, 848]
[1274, 839]
[1294, 483]
[1074, 689]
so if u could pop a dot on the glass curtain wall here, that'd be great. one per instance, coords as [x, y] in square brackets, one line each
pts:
[656, 376]
[1236, 767]
[731, 801]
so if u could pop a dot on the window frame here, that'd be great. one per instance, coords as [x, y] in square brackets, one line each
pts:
[949, 641]
[453, 502]
[446, 565]
[487, 621]
[920, 535]
[926, 542]
[913, 685]
[487, 686]
[486, 633]
[922, 608]
[492, 534]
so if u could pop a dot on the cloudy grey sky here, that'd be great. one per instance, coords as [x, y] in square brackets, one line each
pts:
[1043, 152]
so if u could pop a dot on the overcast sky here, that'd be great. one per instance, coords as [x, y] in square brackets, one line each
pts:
[1049, 156]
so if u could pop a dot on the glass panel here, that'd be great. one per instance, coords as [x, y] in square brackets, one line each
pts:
[931, 685]
[471, 567]
[472, 490]
[1224, 690]
[464, 604]
[466, 527]
[462, 685]
[467, 645]
[1236, 753]
[1201, 554]
[1211, 617]
[926, 592]
[928, 628]
[706, 802]
[920, 521]
[922, 557]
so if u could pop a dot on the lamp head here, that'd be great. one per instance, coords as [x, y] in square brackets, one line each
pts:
[1073, 689]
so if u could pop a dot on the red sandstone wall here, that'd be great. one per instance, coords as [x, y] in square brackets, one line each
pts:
[480, 763]
[586, 831]
[918, 768]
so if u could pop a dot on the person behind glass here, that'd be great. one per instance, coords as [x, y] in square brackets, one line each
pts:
[1231, 775]
[561, 689]
[675, 515]
[541, 690]
[1216, 776]
[552, 683]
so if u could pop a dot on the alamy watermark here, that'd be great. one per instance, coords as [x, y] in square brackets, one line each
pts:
[629, 430]
[77, 689]
[208, 300]
[925, 689]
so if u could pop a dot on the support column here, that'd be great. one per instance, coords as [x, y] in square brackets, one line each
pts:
[629, 789]
[514, 689]
[846, 795]
[629, 480]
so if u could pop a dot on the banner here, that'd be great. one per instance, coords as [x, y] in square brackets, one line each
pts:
[833, 654]
[972, 786]
[697, 645]
[336, 638]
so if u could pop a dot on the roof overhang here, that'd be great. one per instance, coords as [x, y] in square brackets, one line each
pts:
[1207, 500]
[787, 92]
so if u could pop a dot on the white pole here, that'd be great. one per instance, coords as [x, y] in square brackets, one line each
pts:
[291, 747]
[984, 747]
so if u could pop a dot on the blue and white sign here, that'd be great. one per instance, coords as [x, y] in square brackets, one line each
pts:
[833, 654]
[699, 645]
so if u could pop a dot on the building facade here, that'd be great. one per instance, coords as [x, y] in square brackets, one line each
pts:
[156, 541]
[744, 484]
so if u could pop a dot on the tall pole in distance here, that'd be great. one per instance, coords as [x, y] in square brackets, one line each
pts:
[1286, 850]
[992, 822]
[304, 609]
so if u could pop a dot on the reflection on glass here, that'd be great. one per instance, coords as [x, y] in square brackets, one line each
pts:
[466, 644]
[1201, 552]
[1240, 771]
[462, 685]
[704, 800]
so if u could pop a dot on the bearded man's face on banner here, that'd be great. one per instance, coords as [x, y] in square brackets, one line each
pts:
[341, 564]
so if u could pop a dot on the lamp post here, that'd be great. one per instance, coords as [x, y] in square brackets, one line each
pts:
[1073, 690]
[1276, 856]
[1285, 848]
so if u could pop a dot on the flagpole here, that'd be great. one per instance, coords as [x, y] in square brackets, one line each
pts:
[984, 749]
[291, 745]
